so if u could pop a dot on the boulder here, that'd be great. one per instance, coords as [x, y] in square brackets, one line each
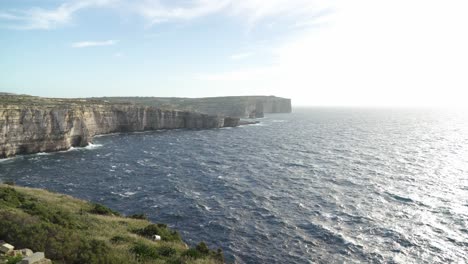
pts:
[6, 248]
[25, 252]
[36, 258]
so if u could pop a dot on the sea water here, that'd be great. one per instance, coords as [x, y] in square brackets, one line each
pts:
[319, 185]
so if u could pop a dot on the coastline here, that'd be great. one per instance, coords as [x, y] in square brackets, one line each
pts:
[34, 124]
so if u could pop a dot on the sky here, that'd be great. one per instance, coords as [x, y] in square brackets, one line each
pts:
[321, 53]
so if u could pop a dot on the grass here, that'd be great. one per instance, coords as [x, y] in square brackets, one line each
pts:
[69, 230]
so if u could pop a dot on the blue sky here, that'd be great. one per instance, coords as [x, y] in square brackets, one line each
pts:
[337, 52]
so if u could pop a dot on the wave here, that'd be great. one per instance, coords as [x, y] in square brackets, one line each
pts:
[93, 146]
[7, 159]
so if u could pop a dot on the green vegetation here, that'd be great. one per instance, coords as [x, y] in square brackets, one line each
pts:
[9, 182]
[202, 251]
[69, 230]
[14, 100]
[13, 259]
[139, 216]
[102, 210]
[160, 230]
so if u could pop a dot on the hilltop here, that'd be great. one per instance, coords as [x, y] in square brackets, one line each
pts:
[70, 230]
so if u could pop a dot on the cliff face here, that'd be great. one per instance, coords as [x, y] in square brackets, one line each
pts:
[234, 106]
[42, 127]
[273, 104]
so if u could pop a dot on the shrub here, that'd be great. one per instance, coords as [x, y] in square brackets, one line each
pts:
[64, 219]
[103, 210]
[203, 248]
[219, 255]
[9, 182]
[138, 216]
[192, 253]
[11, 197]
[160, 230]
[94, 251]
[13, 259]
[119, 239]
[202, 251]
[166, 251]
[144, 252]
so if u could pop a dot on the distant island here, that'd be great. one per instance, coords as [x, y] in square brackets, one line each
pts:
[30, 124]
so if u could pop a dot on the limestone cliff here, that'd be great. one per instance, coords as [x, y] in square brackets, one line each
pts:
[235, 106]
[31, 124]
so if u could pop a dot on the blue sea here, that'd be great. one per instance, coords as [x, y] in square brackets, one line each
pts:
[319, 185]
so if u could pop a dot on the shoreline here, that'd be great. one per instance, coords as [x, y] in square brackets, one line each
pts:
[91, 145]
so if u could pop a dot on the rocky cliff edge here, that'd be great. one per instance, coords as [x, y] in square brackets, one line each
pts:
[32, 124]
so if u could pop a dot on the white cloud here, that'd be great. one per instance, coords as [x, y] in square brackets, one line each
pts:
[39, 18]
[241, 56]
[86, 44]
[386, 53]
[157, 12]
[294, 10]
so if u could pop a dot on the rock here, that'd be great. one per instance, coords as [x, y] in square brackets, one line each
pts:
[32, 124]
[247, 122]
[26, 252]
[231, 122]
[34, 258]
[6, 248]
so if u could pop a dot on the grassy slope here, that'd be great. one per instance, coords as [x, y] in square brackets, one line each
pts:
[68, 232]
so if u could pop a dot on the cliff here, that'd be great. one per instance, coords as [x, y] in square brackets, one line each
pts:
[235, 106]
[32, 124]
[69, 230]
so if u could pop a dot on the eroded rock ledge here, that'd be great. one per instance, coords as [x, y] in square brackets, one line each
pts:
[32, 124]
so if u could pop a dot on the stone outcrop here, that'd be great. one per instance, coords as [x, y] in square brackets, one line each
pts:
[36, 258]
[31, 124]
[234, 106]
[27, 255]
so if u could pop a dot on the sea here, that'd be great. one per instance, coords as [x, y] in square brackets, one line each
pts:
[319, 185]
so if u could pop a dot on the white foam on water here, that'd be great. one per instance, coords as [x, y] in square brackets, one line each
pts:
[253, 125]
[93, 146]
[125, 194]
[7, 159]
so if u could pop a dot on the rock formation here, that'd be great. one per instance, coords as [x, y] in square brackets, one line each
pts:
[32, 124]
[26, 255]
[234, 106]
